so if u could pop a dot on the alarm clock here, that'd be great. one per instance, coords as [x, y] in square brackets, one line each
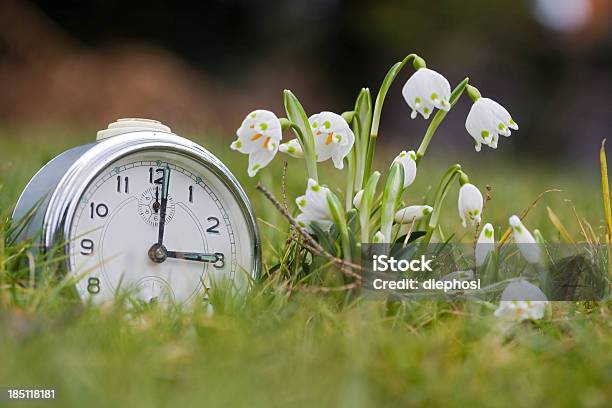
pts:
[142, 210]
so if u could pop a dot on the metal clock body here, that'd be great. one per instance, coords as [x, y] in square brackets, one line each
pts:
[142, 210]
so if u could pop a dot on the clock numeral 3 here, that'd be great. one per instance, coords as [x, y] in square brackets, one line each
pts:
[220, 264]
[87, 246]
[93, 286]
[101, 210]
[213, 229]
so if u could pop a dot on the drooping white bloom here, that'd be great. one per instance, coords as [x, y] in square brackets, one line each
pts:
[292, 148]
[332, 136]
[314, 207]
[412, 213]
[405, 217]
[408, 161]
[521, 301]
[357, 198]
[425, 90]
[470, 204]
[259, 137]
[525, 241]
[485, 244]
[379, 238]
[486, 121]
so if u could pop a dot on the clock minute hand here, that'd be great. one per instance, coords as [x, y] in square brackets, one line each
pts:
[164, 205]
[194, 256]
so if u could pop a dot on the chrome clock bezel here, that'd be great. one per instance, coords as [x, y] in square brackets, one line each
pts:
[65, 196]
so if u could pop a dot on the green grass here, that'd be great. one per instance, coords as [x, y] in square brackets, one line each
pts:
[309, 349]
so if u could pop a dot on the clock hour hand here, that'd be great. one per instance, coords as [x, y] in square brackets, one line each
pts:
[164, 205]
[194, 256]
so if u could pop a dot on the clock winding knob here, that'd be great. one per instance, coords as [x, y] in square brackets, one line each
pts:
[126, 125]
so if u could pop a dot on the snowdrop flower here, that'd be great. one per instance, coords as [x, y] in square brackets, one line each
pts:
[485, 244]
[470, 204]
[258, 136]
[425, 90]
[332, 136]
[486, 121]
[357, 198]
[379, 238]
[405, 217]
[292, 148]
[408, 160]
[521, 301]
[314, 207]
[414, 212]
[525, 241]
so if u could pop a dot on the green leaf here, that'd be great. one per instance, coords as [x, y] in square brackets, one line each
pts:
[361, 127]
[390, 199]
[339, 218]
[299, 120]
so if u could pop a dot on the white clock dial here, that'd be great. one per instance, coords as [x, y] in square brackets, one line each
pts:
[114, 234]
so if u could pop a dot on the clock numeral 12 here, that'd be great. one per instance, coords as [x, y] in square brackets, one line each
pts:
[157, 180]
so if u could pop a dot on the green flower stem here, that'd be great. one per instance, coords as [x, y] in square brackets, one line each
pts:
[340, 220]
[366, 206]
[391, 198]
[380, 99]
[361, 128]
[445, 183]
[299, 123]
[311, 163]
[350, 179]
[438, 118]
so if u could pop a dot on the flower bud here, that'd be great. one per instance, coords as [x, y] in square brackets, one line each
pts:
[470, 204]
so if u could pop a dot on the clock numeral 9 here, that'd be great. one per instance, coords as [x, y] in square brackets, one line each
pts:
[93, 286]
[101, 210]
[213, 229]
[87, 246]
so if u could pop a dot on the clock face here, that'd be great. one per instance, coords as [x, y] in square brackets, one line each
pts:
[161, 226]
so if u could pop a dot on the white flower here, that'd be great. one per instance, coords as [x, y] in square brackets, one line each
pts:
[426, 89]
[520, 301]
[357, 198]
[408, 161]
[332, 136]
[292, 148]
[486, 121]
[258, 136]
[525, 241]
[414, 212]
[379, 238]
[314, 207]
[485, 244]
[470, 204]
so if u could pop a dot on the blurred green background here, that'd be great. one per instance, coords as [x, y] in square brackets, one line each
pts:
[68, 68]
